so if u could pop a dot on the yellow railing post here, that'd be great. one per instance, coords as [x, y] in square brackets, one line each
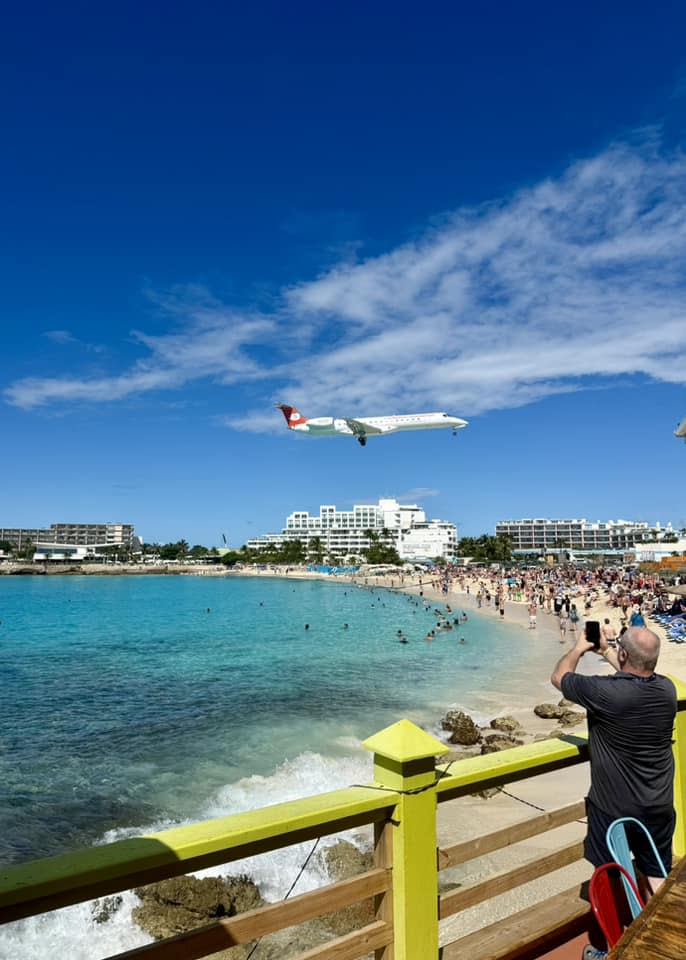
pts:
[679, 841]
[404, 761]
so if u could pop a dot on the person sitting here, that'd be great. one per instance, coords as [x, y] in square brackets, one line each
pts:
[636, 619]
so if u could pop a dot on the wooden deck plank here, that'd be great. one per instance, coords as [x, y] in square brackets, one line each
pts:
[525, 934]
[659, 930]
[354, 945]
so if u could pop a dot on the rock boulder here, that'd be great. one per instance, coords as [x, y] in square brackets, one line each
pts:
[549, 711]
[344, 860]
[462, 728]
[570, 718]
[496, 742]
[505, 724]
[183, 903]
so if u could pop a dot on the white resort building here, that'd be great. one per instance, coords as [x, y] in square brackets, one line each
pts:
[72, 541]
[539, 535]
[343, 533]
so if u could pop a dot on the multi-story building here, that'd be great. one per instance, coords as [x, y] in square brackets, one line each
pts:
[345, 533]
[539, 535]
[81, 534]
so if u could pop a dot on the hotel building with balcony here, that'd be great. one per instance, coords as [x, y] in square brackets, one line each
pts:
[610, 536]
[343, 533]
[77, 534]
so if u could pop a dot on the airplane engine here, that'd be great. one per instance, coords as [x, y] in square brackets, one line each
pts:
[320, 423]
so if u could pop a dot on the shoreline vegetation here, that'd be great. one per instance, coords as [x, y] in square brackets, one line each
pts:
[474, 815]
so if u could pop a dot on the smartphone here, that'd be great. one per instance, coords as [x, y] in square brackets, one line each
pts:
[593, 632]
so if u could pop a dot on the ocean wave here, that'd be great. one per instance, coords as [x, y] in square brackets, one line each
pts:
[75, 931]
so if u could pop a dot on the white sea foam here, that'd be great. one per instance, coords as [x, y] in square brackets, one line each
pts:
[307, 774]
[73, 931]
[348, 743]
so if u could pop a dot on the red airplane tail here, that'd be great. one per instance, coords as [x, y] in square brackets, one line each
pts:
[293, 416]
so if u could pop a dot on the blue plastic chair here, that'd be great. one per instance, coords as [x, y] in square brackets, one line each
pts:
[618, 845]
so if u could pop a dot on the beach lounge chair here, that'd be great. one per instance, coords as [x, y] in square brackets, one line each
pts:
[618, 845]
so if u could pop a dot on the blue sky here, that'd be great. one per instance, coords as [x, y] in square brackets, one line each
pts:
[357, 209]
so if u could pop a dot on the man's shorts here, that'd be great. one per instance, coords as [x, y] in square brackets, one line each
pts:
[660, 825]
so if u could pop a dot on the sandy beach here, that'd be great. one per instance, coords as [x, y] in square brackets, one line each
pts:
[475, 816]
[472, 816]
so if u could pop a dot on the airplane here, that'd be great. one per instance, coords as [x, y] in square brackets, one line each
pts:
[681, 430]
[364, 427]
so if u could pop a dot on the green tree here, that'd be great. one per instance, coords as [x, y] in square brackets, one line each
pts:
[315, 550]
[379, 551]
[485, 549]
[233, 557]
[292, 551]
[173, 551]
[27, 550]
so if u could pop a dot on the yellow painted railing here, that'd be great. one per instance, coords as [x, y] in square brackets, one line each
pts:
[401, 804]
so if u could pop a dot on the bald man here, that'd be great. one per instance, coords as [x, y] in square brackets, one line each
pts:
[630, 723]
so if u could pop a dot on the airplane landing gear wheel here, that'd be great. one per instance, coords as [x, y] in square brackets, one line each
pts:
[362, 441]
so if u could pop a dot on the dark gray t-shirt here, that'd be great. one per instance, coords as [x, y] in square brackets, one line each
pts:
[630, 724]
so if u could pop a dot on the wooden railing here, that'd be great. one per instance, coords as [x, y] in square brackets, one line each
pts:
[401, 805]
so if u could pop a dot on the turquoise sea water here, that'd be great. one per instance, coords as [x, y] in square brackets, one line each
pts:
[131, 703]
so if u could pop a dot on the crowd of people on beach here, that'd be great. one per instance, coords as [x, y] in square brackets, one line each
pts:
[621, 597]
[569, 593]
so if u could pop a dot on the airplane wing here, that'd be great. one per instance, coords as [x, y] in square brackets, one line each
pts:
[360, 428]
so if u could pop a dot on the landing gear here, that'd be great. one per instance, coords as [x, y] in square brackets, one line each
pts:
[362, 441]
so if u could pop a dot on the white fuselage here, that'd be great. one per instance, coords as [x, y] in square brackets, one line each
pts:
[330, 426]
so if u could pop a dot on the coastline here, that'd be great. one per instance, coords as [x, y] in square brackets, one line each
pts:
[108, 569]
[474, 816]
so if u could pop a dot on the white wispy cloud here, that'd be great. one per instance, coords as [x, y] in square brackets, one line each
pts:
[67, 338]
[60, 336]
[210, 341]
[416, 494]
[567, 283]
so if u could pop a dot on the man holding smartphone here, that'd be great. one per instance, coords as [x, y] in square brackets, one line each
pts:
[630, 722]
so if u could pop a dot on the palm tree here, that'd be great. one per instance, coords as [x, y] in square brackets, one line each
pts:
[315, 550]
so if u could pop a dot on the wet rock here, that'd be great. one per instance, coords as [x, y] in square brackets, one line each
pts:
[343, 860]
[548, 711]
[505, 724]
[462, 728]
[103, 910]
[183, 903]
[571, 718]
[496, 742]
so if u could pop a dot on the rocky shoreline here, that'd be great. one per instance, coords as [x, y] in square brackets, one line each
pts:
[504, 732]
[180, 904]
[109, 569]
